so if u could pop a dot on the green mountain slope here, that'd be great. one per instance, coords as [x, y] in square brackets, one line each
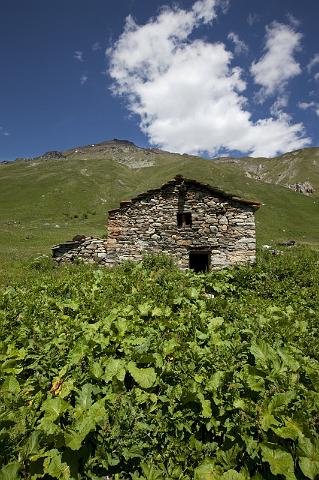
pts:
[290, 168]
[47, 200]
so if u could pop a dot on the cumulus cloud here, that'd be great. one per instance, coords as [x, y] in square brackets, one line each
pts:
[240, 45]
[186, 93]
[278, 65]
[78, 55]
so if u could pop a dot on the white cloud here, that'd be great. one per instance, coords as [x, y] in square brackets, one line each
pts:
[240, 45]
[83, 79]
[278, 64]
[188, 96]
[313, 62]
[316, 77]
[78, 55]
[293, 20]
[306, 105]
[309, 106]
[277, 107]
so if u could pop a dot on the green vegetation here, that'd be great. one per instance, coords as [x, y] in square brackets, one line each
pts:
[144, 372]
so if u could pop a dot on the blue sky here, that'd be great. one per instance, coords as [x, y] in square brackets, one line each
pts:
[205, 76]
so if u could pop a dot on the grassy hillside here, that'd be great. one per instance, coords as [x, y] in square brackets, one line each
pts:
[46, 201]
[290, 168]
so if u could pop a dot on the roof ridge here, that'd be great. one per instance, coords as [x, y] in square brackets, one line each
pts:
[179, 179]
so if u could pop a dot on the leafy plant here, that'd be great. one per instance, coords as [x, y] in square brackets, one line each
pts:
[146, 372]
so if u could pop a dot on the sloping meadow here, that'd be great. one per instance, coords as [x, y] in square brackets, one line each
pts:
[143, 372]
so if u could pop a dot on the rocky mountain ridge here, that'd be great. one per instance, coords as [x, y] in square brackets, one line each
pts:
[297, 170]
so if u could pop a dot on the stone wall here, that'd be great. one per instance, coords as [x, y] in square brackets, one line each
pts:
[184, 219]
[86, 249]
[220, 224]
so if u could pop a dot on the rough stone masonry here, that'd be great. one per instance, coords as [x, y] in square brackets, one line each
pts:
[200, 226]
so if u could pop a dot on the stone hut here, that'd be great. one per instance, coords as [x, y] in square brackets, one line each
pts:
[200, 226]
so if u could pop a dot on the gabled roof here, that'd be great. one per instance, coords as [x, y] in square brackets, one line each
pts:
[187, 182]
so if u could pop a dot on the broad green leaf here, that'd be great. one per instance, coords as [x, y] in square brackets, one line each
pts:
[215, 323]
[255, 383]
[280, 461]
[11, 366]
[66, 388]
[279, 401]
[240, 404]
[10, 471]
[84, 425]
[78, 353]
[133, 452]
[262, 352]
[215, 381]
[169, 346]
[32, 444]
[151, 473]
[48, 426]
[193, 292]
[145, 377]
[54, 466]
[145, 309]
[84, 399]
[157, 312]
[54, 407]
[288, 359]
[74, 439]
[306, 448]
[121, 325]
[310, 468]
[207, 471]
[11, 385]
[289, 430]
[97, 370]
[267, 421]
[114, 368]
[233, 475]
[251, 445]
[229, 458]
[206, 406]
[308, 457]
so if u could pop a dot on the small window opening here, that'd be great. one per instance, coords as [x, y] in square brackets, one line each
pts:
[199, 261]
[184, 219]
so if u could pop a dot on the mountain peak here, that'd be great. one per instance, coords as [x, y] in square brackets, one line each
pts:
[118, 142]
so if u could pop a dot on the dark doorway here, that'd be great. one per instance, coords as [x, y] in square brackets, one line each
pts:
[199, 261]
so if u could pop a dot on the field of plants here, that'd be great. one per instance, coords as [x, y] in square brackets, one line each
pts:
[144, 372]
